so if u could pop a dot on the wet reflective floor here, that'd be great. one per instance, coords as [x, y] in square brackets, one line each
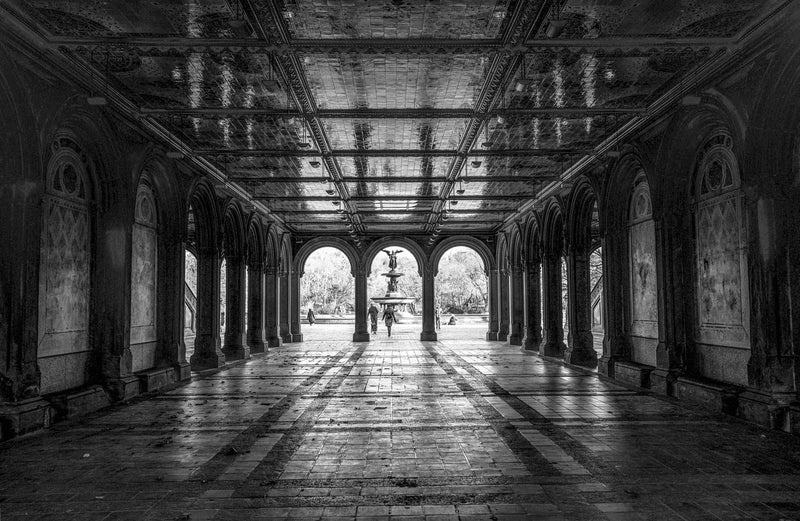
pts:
[401, 429]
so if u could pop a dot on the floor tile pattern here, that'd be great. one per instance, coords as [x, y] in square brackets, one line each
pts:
[401, 429]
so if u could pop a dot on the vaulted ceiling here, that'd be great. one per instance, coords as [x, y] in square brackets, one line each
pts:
[376, 117]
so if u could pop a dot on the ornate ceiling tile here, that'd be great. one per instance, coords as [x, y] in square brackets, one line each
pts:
[395, 134]
[237, 132]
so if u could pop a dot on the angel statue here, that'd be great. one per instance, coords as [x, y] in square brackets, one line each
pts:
[392, 258]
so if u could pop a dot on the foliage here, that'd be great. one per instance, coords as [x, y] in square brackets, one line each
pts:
[461, 285]
[327, 284]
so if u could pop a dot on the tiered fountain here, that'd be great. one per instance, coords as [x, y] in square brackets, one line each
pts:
[393, 296]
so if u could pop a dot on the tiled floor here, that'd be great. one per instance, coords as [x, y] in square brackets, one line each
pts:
[401, 429]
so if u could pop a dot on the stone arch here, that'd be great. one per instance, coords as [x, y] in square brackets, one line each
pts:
[255, 246]
[532, 238]
[313, 245]
[285, 253]
[234, 234]
[502, 253]
[516, 246]
[463, 240]
[581, 204]
[414, 248]
[553, 236]
[206, 232]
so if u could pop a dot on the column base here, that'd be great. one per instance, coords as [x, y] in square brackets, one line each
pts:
[531, 343]
[274, 341]
[124, 387]
[297, 337]
[663, 381]
[258, 346]
[515, 339]
[428, 336]
[580, 356]
[502, 336]
[24, 416]
[236, 351]
[553, 349]
[491, 336]
[287, 338]
[360, 337]
[207, 354]
[183, 371]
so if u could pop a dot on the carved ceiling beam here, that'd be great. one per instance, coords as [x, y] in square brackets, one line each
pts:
[158, 46]
[365, 213]
[410, 199]
[396, 113]
[395, 179]
[224, 155]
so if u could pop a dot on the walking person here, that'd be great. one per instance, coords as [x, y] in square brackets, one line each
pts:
[438, 317]
[311, 317]
[389, 318]
[373, 317]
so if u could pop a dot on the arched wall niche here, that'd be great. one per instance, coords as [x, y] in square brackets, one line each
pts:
[722, 303]
[144, 311]
[66, 267]
[470, 242]
[313, 245]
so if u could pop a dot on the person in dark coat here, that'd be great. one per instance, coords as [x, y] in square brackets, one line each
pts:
[389, 318]
[311, 317]
[373, 317]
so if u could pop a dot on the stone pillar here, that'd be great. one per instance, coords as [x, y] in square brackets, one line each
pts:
[235, 346]
[207, 352]
[670, 308]
[517, 305]
[533, 315]
[172, 279]
[361, 333]
[285, 304]
[615, 300]
[502, 332]
[494, 298]
[553, 335]
[255, 309]
[272, 307]
[581, 346]
[294, 307]
[428, 305]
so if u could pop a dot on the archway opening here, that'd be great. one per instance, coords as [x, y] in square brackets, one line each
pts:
[189, 302]
[327, 296]
[461, 294]
[596, 299]
[409, 285]
[223, 296]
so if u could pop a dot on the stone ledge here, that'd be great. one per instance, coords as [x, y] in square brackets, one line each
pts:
[715, 396]
[153, 379]
[70, 405]
[24, 416]
[632, 373]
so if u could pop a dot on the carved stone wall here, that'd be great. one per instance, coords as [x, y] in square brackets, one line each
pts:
[644, 290]
[722, 303]
[65, 273]
[144, 250]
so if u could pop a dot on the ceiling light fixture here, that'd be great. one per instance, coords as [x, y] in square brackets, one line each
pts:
[556, 24]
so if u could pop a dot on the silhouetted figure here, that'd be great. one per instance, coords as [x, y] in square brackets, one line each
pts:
[438, 319]
[373, 318]
[452, 321]
[389, 319]
[311, 317]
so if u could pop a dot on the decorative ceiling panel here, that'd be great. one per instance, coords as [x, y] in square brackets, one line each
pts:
[273, 189]
[235, 133]
[315, 228]
[186, 18]
[387, 167]
[556, 80]
[193, 81]
[327, 218]
[532, 133]
[672, 18]
[295, 205]
[467, 226]
[494, 188]
[522, 166]
[394, 134]
[265, 167]
[371, 189]
[396, 18]
[499, 205]
[394, 206]
[395, 81]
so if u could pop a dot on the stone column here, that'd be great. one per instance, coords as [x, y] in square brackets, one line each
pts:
[285, 303]
[361, 333]
[294, 307]
[207, 352]
[172, 279]
[615, 300]
[255, 309]
[533, 315]
[670, 308]
[517, 306]
[428, 305]
[235, 346]
[272, 307]
[581, 347]
[494, 298]
[553, 335]
[502, 332]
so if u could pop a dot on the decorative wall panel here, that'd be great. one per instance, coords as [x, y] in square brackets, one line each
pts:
[143, 282]
[644, 290]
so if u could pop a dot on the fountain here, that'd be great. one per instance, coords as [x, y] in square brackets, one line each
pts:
[393, 297]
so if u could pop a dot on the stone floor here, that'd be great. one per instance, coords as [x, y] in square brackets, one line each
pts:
[401, 429]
